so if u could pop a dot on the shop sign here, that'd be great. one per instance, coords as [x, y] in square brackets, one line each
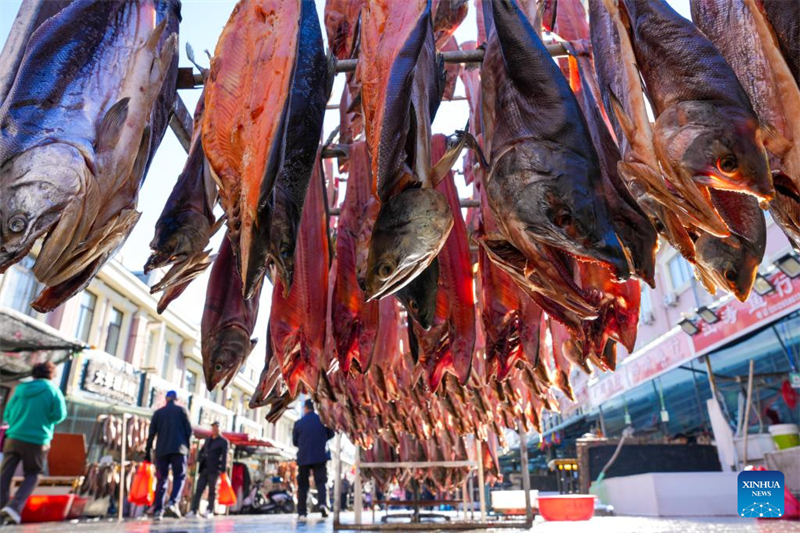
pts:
[737, 318]
[671, 352]
[113, 379]
[794, 379]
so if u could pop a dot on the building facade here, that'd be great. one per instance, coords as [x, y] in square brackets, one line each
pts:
[137, 356]
[661, 389]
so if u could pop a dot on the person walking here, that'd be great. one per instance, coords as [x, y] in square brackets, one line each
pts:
[310, 436]
[171, 430]
[212, 460]
[32, 413]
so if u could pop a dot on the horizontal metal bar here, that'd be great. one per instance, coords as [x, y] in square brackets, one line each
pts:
[434, 526]
[349, 65]
[419, 464]
[331, 107]
[465, 203]
[457, 56]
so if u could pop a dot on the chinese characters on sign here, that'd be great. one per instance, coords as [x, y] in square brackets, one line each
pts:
[737, 318]
[118, 383]
[666, 355]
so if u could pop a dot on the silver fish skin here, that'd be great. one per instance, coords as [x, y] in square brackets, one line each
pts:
[92, 106]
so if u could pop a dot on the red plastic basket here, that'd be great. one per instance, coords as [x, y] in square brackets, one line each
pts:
[567, 507]
[47, 508]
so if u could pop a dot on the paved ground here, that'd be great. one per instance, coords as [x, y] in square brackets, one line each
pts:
[284, 523]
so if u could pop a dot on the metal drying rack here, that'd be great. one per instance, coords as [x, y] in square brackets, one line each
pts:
[416, 524]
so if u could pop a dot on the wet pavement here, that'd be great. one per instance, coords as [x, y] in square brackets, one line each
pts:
[315, 524]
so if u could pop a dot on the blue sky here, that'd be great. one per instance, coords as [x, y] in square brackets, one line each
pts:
[202, 23]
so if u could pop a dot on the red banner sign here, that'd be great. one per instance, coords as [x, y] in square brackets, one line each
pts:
[737, 318]
[668, 353]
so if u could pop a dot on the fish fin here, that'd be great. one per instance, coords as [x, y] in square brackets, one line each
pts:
[355, 105]
[155, 37]
[110, 129]
[330, 74]
[774, 141]
[446, 162]
[218, 224]
[474, 145]
[441, 82]
[190, 56]
[625, 121]
[707, 281]
[140, 163]
[551, 9]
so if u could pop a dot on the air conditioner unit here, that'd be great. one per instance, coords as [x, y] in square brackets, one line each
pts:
[670, 299]
[647, 318]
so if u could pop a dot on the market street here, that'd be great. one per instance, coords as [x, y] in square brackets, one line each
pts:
[282, 523]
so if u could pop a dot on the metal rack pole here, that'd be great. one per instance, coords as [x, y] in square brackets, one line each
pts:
[358, 500]
[123, 453]
[526, 478]
[337, 482]
[481, 484]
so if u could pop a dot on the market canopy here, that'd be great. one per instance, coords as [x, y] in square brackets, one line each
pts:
[236, 439]
[25, 342]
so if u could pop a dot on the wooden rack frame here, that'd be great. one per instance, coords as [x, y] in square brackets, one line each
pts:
[483, 521]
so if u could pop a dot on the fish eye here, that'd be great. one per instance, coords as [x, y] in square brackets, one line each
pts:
[385, 270]
[562, 219]
[17, 223]
[727, 165]
[413, 305]
[218, 367]
[730, 275]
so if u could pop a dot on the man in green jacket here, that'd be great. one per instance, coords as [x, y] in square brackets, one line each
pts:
[34, 409]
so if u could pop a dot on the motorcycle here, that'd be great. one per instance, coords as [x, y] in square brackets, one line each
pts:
[276, 501]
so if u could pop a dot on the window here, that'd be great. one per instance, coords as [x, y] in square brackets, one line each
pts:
[680, 273]
[191, 381]
[114, 329]
[167, 357]
[85, 315]
[150, 350]
[21, 287]
[646, 305]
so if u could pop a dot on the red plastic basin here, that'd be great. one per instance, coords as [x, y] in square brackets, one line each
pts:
[47, 508]
[567, 507]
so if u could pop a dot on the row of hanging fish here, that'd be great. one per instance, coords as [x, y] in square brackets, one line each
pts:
[572, 208]
[385, 317]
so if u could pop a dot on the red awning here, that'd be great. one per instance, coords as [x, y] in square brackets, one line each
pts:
[237, 439]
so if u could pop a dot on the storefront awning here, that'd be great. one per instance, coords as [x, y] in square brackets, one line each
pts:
[237, 439]
[25, 342]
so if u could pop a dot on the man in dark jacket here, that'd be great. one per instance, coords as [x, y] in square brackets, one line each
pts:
[171, 425]
[32, 413]
[310, 436]
[212, 460]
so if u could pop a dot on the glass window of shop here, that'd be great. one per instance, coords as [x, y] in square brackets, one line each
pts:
[114, 330]
[776, 352]
[168, 348]
[85, 315]
[685, 390]
[191, 381]
[21, 287]
[646, 304]
[680, 273]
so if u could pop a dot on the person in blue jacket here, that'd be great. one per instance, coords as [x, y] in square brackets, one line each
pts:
[310, 437]
[32, 413]
[171, 426]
